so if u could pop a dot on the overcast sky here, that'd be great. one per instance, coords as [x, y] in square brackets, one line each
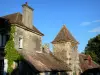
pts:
[82, 17]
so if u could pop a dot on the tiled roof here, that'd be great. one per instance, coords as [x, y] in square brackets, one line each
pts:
[84, 63]
[16, 18]
[64, 35]
[45, 61]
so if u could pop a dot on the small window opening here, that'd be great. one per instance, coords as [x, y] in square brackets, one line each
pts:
[20, 43]
[2, 40]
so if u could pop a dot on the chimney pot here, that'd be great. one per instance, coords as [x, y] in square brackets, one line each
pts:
[26, 3]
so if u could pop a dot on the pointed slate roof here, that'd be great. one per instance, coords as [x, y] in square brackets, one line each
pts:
[64, 36]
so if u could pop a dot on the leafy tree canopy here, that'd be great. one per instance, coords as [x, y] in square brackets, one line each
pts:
[93, 48]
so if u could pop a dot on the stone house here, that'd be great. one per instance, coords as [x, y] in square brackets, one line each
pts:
[38, 60]
[27, 42]
[65, 48]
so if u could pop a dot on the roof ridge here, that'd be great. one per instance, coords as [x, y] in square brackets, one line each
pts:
[96, 63]
[82, 54]
[57, 34]
[16, 17]
[69, 33]
[11, 14]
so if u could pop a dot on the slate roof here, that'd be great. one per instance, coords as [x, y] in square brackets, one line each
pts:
[16, 18]
[84, 63]
[64, 35]
[45, 61]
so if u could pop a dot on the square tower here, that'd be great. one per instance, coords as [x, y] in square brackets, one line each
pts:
[65, 48]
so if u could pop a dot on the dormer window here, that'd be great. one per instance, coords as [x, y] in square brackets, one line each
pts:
[20, 43]
[2, 40]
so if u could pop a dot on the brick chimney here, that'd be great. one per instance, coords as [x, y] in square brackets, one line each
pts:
[89, 59]
[27, 15]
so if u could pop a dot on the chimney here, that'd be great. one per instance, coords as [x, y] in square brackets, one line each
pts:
[89, 59]
[27, 15]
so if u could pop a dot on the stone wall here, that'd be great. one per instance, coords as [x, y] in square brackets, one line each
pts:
[31, 41]
[63, 51]
[75, 60]
[69, 54]
[46, 48]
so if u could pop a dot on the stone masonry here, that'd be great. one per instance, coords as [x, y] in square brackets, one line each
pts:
[65, 48]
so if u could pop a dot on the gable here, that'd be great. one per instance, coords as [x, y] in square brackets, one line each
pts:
[64, 36]
[16, 18]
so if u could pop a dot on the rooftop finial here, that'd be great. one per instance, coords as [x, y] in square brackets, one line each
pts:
[64, 25]
[26, 3]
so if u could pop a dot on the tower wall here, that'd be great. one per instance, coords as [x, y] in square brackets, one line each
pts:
[68, 53]
[63, 51]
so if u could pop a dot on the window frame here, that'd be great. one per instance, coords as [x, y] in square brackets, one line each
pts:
[20, 43]
[3, 40]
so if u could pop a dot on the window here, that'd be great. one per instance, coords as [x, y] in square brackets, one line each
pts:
[5, 65]
[63, 73]
[1, 66]
[46, 73]
[54, 73]
[20, 43]
[2, 40]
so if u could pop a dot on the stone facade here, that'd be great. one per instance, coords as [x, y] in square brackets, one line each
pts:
[68, 54]
[27, 40]
[45, 48]
[75, 60]
[63, 51]
[67, 51]
[31, 41]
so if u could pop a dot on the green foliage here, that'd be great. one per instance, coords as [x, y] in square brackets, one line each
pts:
[74, 73]
[93, 48]
[11, 53]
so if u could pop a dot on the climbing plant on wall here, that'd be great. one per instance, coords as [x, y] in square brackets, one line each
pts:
[11, 53]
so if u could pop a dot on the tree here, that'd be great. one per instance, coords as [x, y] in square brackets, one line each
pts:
[93, 48]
